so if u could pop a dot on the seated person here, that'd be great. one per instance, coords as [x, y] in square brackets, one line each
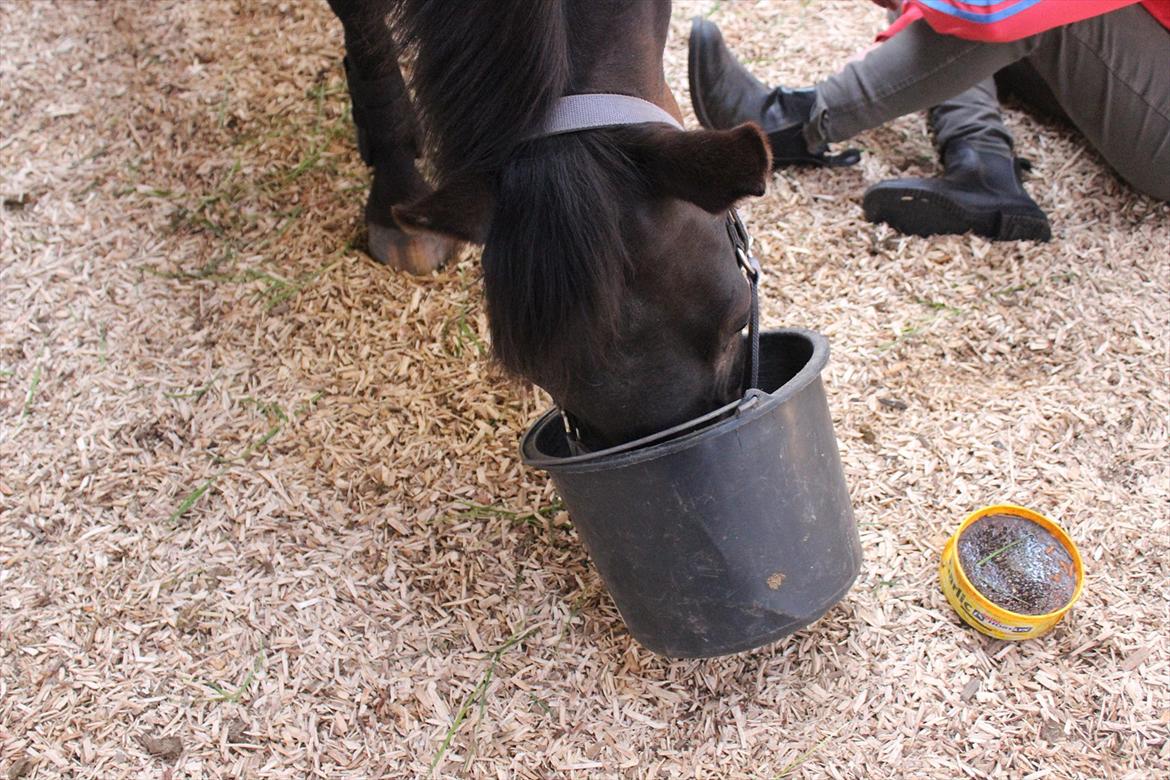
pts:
[1102, 63]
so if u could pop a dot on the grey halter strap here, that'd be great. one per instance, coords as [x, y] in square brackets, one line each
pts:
[573, 113]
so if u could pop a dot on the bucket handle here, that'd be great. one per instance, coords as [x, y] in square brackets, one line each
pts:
[737, 407]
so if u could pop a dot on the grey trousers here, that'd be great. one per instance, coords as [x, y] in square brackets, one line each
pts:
[1110, 75]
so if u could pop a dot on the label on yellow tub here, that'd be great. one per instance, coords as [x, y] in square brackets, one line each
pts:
[972, 614]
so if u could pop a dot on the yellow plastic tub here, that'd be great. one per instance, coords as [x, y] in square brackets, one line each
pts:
[977, 610]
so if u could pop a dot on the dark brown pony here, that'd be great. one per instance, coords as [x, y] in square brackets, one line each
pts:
[608, 274]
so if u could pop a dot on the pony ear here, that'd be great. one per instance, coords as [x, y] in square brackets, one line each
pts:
[460, 209]
[710, 168]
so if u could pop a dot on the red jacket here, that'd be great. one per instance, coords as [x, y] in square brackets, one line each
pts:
[997, 21]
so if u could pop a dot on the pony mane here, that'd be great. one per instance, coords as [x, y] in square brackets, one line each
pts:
[486, 74]
[555, 261]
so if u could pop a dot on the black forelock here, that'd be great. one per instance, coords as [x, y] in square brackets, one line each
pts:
[556, 262]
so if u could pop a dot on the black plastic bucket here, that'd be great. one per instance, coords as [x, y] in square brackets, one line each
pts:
[725, 533]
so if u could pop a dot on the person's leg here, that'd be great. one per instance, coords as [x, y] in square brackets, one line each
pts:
[915, 69]
[1019, 82]
[1111, 75]
[1108, 74]
[979, 191]
[972, 116]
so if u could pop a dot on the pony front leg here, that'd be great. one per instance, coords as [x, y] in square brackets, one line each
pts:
[388, 138]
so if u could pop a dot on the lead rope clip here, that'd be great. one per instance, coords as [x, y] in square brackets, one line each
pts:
[742, 241]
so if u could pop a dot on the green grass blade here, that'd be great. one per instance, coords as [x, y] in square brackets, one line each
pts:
[32, 392]
[477, 694]
[192, 498]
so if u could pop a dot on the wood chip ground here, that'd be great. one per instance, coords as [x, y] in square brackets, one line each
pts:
[262, 513]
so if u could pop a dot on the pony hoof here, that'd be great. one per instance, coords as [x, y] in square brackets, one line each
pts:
[417, 254]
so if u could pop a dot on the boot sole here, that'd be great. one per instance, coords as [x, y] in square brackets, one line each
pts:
[924, 213]
[693, 45]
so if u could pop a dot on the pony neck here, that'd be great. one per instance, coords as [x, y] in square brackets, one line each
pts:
[617, 47]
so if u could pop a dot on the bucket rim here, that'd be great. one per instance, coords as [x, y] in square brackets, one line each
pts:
[753, 404]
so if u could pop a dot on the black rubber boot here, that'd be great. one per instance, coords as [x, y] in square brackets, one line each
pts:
[979, 192]
[724, 94]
